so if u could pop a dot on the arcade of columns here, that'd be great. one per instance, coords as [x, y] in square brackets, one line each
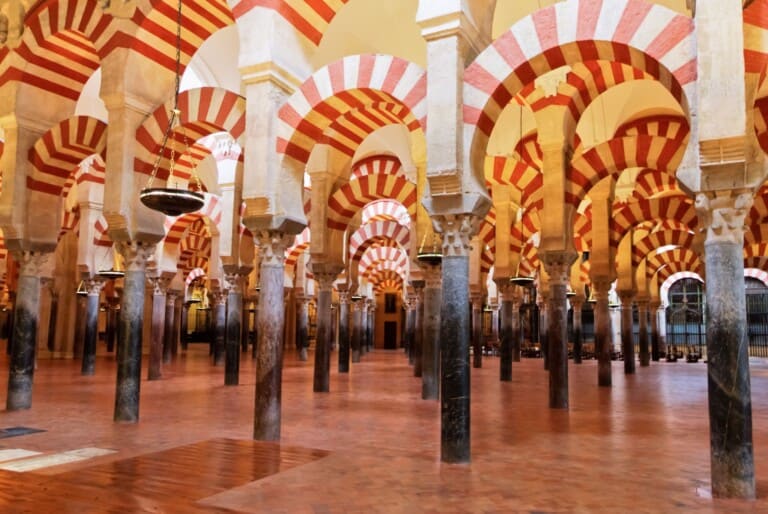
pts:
[584, 143]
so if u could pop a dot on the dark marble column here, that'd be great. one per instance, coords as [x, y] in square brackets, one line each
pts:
[245, 318]
[302, 327]
[365, 346]
[93, 286]
[334, 320]
[730, 402]
[52, 336]
[654, 318]
[506, 333]
[233, 329]
[411, 305]
[112, 311]
[455, 339]
[602, 332]
[477, 331]
[169, 337]
[516, 328]
[81, 307]
[577, 302]
[155, 362]
[356, 320]
[322, 375]
[627, 341]
[136, 254]
[430, 332]
[642, 312]
[177, 308]
[544, 327]
[26, 314]
[219, 313]
[408, 333]
[371, 325]
[184, 324]
[344, 332]
[558, 266]
[269, 349]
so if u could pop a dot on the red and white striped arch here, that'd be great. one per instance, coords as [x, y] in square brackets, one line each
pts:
[175, 227]
[345, 203]
[612, 157]
[61, 47]
[671, 261]
[679, 208]
[389, 284]
[350, 129]
[204, 111]
[377, 165]
[670, 280]
[755, 35]
[57, 155]
[529, 262]
[758, 274]
[101, 237]
[529, 151]
[651, 182]
[309, 17]
[386, 210]
[193, 274]
[195, 261]
[756, 233]
[375, 233]
[156, 36]
[375, 255]
[582, 229]
[670, 126]
[69, 221]
[501, 169]
[657, 239]
[646, 36]
[300, 244]
[759, 211]
[383, 270]
[353, 83]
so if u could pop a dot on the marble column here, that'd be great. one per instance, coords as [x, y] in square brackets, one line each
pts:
[155, 363]
[558, 266]
[93, 286]
[602, 332]
[455, 338]
[730, 403]
[269, 349]
[178, 306]
[112, 311]
[184, 324]
[577, 302]
[135, 254]
[233, 329]
[219, 313]
[516, 329]
[655, 343]
[81, 308]
[302, 327]
[169, 336]
[642, 312]
[506, 333]
[430, 333]
[343, 331]
[371, 324]
[356, 321]
[418, 322]
[412, 304]
[52, 336]
[627, 341]
[408, 332]
[477, 331]
[544, 328]
[26, 314]
[322, 376]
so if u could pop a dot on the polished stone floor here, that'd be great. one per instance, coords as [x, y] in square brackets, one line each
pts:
[371, 444]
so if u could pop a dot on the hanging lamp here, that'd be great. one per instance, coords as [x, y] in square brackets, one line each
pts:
[432, 255]
[518, 279]
[81, 290]
[114, 272]
[173, 201]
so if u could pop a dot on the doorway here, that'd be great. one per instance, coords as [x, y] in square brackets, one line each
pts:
[390, 335]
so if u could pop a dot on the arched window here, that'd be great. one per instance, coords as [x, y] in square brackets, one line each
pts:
[686, 323]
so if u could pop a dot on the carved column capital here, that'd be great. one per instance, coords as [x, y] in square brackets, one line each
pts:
[159, 285]
[558, 266]
[170, 297]
[93, 286]
[457, 231]
[31, 264]
[219, 296]
[135, 253]
[233, 282]
[344, 297]
[272, 246]
[626, 298]
[722, 216]
[325, 280]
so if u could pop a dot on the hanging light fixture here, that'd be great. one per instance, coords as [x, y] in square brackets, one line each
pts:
[114, 272]
[169, 200]
[81, 291]
[518, 279]
[432, 255]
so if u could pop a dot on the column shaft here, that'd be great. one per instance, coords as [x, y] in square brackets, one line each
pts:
[219, 327]
[344, 332]
[627, 341]
[642, 311]
[322, 375]
[477, 334]
[577, 336]
[155, 370]
[91, 333]
[430, 336]
[356, 331]
[557, 339]
[169, 337]
[233, 339]
[506, 335]
[603, 340]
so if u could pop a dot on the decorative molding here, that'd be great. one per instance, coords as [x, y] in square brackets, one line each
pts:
[722, 216]
[272, 245]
